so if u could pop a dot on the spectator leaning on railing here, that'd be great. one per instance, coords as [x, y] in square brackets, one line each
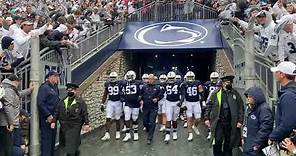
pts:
[272, 24]
[9, 58]
[286, 41]
[23, 36]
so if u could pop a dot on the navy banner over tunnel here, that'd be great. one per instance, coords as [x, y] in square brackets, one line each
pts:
[196, 34]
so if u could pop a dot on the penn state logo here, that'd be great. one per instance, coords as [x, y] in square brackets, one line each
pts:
[171, 34]
[253, 117]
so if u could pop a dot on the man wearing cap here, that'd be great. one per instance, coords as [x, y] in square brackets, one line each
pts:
[9, 117]
[72, 114]
[224, 115]
[23, 35]
[285, 117]
[47, 99]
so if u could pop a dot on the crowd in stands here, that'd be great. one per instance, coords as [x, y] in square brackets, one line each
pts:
[273, 23]
[58, 23]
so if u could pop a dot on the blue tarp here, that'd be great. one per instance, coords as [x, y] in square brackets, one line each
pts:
[195, 34]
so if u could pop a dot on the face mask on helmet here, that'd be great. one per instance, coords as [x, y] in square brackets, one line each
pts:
[190, 78]
[214, 79]
[162, 79]
[112, 79]
[130, 77]
[171, 79]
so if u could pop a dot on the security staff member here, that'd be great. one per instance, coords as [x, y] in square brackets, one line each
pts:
[150, 95]
[224, 115]
[47, 99]
[72, 115]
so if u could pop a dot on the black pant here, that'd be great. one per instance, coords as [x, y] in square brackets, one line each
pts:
[222, 139]
[5, 142]
[77, 153]
[149, 117]
[47, 138]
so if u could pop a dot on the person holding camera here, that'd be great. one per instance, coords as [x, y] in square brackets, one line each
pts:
[258, 123]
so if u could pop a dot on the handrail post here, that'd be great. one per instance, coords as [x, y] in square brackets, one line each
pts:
[155, 10]
[172, 11]
[274, 93]
[250, 73]
[35, 77]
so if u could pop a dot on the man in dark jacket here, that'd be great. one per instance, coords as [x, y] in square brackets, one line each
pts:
[224, 115]
[285, 117]
[72, 114]
[47, 99]
[259, 122]
[151, 94]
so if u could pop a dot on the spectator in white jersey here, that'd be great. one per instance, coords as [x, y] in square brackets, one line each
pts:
[285, 40]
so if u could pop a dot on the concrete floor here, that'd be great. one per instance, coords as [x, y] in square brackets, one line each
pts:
[93, 146]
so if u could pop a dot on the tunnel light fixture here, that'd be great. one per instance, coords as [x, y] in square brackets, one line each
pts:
[173, 55]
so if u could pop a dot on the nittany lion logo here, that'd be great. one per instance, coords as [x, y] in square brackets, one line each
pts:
[171, 34]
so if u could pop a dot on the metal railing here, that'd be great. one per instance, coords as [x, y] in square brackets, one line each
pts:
[170, 11]
[50, 59]
[89, 45]
[159, 11]
[266, 80]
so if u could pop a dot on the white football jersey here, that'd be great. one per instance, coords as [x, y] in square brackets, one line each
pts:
[272, 49]
[287, 46]
[265, 34]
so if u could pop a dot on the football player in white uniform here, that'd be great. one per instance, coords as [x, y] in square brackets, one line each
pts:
[131, 99]
[113, 92]
[211, 86]
[192, 101]
[173, 103]
[161, 103]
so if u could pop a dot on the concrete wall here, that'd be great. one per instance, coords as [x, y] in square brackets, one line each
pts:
[92, 88]
[223, 64]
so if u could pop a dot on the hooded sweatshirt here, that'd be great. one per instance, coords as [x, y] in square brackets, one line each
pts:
[259, 122]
